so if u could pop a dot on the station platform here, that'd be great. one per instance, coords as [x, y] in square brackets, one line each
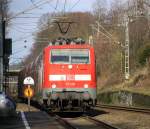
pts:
[33, 119]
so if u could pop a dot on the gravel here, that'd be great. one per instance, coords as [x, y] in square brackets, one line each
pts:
[24, 107]
[125, 119]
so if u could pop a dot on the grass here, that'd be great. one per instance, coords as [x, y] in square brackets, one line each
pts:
[134, 85]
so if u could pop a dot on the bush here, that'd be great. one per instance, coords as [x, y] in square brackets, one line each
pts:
[144, 54]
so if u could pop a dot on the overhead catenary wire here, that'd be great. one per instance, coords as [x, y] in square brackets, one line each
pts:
[25, 11]
[31, 13]
[15, 57]
[28, 9]
[24, 28]
[109, 35]
[24, 37]
[65, 6]
[34, 4]
[26, 17]
[18, 15]
[39, 40]
[56, 4]
[55, 7]
[99, 25]
[74, 5]
[102, 33]
[23, 23]
[26, 25]
[16, 52]
[21, 31]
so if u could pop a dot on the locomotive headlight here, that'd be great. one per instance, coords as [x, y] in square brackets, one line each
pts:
[86, 85]
[69, 66]
[53, 85]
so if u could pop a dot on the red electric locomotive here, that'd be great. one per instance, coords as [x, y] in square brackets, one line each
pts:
[65, 75]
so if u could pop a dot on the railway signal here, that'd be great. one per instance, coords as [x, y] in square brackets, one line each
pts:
[28, 91]
[28, 81]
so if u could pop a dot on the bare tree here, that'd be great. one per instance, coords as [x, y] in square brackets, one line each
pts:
[100, 10]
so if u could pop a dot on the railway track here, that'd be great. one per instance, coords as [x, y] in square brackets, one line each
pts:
[65, 123]
[132, 109]
[100, 123]
[83, 122]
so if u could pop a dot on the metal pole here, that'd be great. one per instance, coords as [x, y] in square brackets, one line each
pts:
[28, 98]
[4, 65]
[29, 104]
[1, 46]
[127, 54]
[98, 29]
[91, 39]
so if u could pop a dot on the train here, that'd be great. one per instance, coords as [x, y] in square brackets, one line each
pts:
[64, 75]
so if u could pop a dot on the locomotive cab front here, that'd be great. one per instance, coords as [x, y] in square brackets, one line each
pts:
[69, 76]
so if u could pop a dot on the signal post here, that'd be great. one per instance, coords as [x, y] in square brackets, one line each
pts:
[28, 91]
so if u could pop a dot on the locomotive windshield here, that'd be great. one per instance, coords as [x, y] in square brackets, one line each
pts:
[70, 56]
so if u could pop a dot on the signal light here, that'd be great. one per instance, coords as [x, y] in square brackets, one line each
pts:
[8, 47]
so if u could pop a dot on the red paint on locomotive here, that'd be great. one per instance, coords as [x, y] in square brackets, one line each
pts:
[63, 69]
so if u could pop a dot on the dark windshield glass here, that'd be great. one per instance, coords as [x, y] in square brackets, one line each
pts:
[59, 56]
[80, 56]
[70, 56]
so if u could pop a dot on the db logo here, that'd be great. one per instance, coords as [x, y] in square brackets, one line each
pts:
[70, 77]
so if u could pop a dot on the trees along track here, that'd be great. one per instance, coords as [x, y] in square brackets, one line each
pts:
[132, 109]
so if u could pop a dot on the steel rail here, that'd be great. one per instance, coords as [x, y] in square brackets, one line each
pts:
[60, 120]
[64, 123]
[100, 123]
[132, 109]
[67, 125]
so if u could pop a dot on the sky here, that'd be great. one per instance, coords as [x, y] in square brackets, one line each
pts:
[23, 25]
